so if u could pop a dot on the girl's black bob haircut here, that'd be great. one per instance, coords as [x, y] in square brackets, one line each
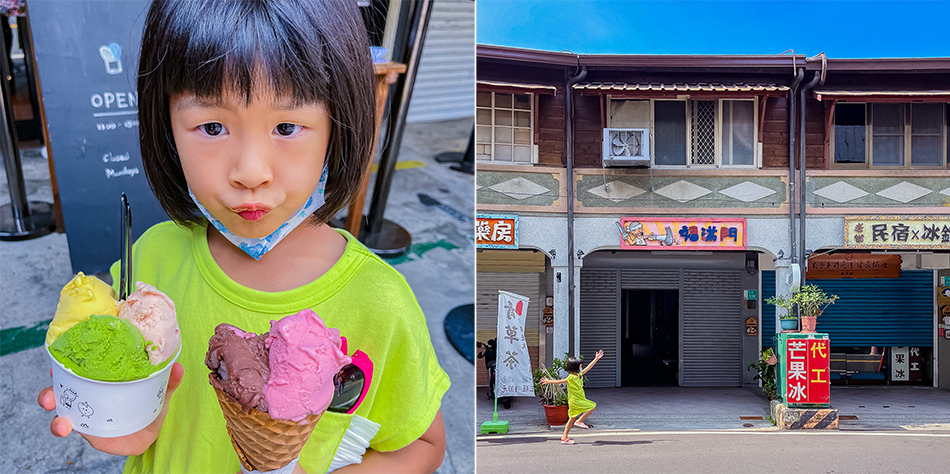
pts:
[311, 51]
[572, 365]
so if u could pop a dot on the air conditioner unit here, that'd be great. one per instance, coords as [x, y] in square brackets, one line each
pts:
[626, 147]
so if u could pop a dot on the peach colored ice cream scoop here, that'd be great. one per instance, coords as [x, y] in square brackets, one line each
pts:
[153, 314]
[305, 355]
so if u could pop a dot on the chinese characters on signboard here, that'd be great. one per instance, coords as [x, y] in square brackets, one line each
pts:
[897, 232]
[807, 377]
[906, 364]
[496, 232]
[854, 265]
[513, 369]
[682, 233]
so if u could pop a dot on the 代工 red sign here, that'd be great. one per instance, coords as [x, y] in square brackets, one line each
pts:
[807, 377]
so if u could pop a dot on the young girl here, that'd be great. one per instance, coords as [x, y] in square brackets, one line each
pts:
[579, 407]
[256, 123]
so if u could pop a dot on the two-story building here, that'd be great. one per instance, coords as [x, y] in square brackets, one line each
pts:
[651, 202]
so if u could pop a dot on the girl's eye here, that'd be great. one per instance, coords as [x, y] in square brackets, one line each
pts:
[287, 129]
[214, 128]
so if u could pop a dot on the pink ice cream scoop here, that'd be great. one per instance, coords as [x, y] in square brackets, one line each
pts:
[305, 356]
[153, 314]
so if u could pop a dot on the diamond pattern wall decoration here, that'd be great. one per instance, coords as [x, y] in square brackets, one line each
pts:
[747, 191]
[519, 188]
[841, 192]
[945, 192]
[904, 192]
[616, 191]
[682, 191]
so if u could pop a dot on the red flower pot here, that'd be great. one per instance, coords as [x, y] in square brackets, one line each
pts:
[555, 414]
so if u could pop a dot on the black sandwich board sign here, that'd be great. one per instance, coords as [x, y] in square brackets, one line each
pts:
[87, 61]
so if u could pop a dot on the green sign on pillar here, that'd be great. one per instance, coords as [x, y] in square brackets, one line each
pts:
[804, 375]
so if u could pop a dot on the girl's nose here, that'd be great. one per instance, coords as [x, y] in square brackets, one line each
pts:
[251, 166]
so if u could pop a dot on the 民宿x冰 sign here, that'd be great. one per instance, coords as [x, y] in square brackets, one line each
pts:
[682, 233]
[897, 232]
[804, 369]
[496, 232]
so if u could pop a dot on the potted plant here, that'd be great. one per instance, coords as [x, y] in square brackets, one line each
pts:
[553, 396]
[765, 371]
[809, 301]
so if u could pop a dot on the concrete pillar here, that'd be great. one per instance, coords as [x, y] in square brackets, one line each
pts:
[560, 339]
[577, 310]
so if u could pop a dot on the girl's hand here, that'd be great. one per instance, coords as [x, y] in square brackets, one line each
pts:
[543, 381]
[599, 354]
[133, 444]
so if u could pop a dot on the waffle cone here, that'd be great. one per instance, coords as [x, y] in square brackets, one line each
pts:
[261, 442]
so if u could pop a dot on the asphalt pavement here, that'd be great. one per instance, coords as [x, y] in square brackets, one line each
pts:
[439, 266]
[718, 451]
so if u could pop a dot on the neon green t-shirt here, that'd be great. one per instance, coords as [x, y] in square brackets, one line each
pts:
[366, 299]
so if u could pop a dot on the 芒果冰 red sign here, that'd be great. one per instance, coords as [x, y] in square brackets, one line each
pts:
[807, 378]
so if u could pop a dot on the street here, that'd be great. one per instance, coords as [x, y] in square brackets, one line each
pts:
[767, 450]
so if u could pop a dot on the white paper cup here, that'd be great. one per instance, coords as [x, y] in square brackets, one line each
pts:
[109, 409]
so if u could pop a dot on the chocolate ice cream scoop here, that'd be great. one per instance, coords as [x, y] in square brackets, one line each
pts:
[239, 365]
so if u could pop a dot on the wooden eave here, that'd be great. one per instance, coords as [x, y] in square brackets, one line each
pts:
[530, 56]
[883, 65]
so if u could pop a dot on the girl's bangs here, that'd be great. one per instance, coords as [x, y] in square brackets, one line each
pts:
[237, 56]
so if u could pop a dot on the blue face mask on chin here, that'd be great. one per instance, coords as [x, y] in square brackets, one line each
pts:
[256, 248]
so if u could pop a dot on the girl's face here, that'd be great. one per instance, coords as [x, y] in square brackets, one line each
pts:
[251, 165]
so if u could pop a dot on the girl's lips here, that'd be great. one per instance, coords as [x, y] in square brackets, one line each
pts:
[252, 215]
[252, 212]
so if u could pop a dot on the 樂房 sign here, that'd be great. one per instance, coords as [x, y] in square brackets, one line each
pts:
[496, 232]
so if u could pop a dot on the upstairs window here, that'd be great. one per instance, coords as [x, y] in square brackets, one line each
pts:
[891, 136]
[697, 133]
[504, 127]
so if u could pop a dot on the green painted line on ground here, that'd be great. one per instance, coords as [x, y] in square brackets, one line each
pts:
[416, 251]
[23, 337]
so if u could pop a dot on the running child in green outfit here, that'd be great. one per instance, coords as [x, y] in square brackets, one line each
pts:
[578, 406]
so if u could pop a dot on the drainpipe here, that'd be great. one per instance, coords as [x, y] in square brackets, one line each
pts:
[570, 204]
[801, 176]
[792, 190]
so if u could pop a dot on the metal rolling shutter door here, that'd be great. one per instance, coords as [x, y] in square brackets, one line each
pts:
[711, 329]
[768, 310]
[445, 83]
[486, 309]
[649, 279]
[599, 307]
[880, 311]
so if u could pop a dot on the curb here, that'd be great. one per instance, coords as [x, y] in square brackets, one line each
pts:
[787, 418]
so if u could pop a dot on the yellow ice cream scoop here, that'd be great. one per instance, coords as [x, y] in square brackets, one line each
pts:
[81, 298]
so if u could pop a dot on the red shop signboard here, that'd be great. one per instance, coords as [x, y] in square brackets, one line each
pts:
[807, 376]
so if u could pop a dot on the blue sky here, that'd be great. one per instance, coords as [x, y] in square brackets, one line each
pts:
[842, 29]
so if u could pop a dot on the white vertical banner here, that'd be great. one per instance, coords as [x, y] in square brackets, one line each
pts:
[900, 366]
[513, 365]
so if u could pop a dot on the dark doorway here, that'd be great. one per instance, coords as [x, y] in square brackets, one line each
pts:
[649, 338]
